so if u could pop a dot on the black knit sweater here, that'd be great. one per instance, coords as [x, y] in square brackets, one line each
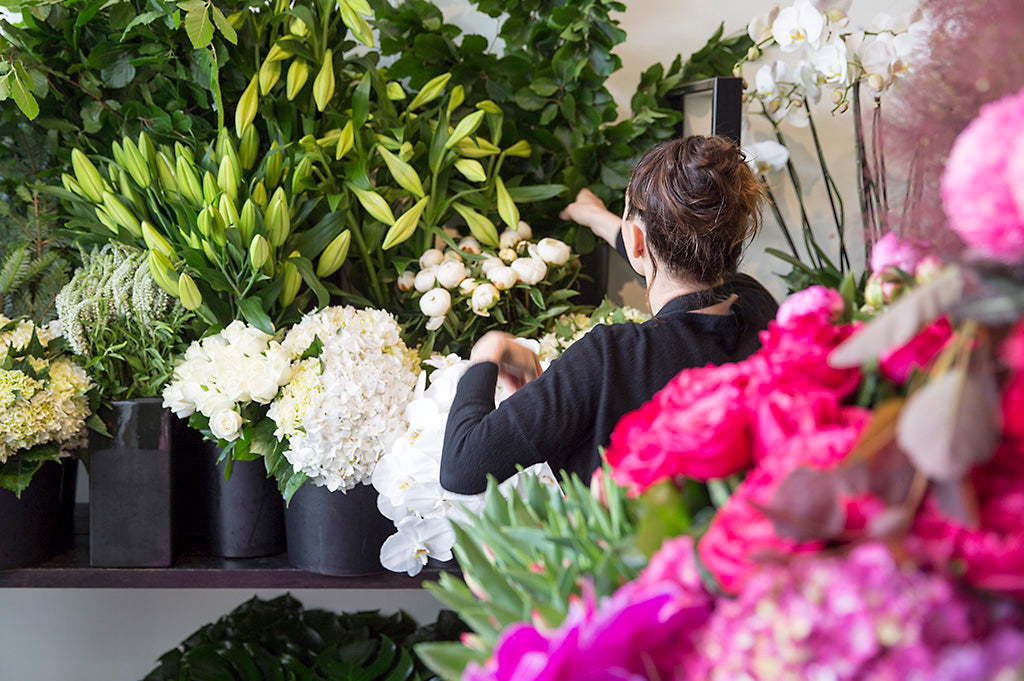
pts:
[568, 413]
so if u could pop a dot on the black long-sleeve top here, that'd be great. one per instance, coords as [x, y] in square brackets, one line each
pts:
[567, 413]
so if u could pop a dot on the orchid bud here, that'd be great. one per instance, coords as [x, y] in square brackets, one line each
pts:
[530, 270]
[450, 273]
[503, 277]
[430, 258]
[876, 82]
[484, 298]
[553, 251]
[436, 302]
[424, 281]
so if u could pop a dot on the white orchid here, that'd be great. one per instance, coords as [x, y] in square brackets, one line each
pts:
[409, 549]
[760, 27]
[767, 156]
[830, 60]
[798, 26]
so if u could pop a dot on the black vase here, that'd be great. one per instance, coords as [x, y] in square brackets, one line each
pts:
[130, 508]
[245, 513]
[35, 525]
[336, 533]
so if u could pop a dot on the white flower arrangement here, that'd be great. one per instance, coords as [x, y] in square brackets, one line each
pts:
[44, 401]
[345, 404]
[569, 328]
[225, 377]
[407, 476]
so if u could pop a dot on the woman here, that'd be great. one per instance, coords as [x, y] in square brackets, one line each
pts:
[691, 205]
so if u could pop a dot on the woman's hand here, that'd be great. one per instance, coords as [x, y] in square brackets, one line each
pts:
[517, 365]
[589, 211]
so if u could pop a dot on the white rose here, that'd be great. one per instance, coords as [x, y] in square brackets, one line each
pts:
[174, 398]
[431, 257]
[424, 280]
[450, 273]
[503, 277]
[530, 270]
[225, 424]
[436, 302]
[553, 251]
[484, 298]
[406, 281]
[470, 245]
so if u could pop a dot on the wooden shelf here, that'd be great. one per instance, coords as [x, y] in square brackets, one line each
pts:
[195, 570]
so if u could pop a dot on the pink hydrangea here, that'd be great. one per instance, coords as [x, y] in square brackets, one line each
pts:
[821, 301]
[978, 185]
[891, 251]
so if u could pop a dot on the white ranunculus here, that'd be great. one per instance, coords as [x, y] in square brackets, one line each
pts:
[470, 245]
[553, 251]
[436, 302]
[484, 298]
[424, 280]
[797, 26]
[530, 271]
[450, 273]
[503, 277]
[431, 257]
[406, 281]
[226, 424]
[767, 156]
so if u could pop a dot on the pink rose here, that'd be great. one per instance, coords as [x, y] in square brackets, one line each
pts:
[978, 184]
[898, 364]
[891, 251]
[825, 303]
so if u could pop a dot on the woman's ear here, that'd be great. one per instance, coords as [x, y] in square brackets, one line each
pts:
[639, 239]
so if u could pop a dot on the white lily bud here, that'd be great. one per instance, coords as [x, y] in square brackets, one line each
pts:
[553, 251]
[468, 285]
[509, 238]
[489, 264]
[450, 273]
[507, 254]
[530, 270]
[436, 302]
[525, 231]
[484, 298]
[424, 280]
[431, 257]
[503, 277]
[406, 281]
[470, 245]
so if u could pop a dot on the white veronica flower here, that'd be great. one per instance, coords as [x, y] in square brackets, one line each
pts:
[798, 26]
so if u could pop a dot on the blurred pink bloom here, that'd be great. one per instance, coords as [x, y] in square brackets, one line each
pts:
[891, 251]
[821, 301]
[897, 364]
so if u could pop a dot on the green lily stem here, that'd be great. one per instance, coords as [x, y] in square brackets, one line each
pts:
[808, 234]
[865, 182]
[833, 196]
[878, 152]
[371, 271]
[781, 220]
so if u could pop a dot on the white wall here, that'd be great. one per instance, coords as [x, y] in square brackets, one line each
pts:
[116, 635]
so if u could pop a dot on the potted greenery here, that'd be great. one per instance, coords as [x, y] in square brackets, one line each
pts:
[126, 331]
[44, 407]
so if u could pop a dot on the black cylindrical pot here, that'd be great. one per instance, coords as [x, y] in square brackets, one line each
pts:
[130, 487]
[246, 512]
[31, 526]
[336, 533]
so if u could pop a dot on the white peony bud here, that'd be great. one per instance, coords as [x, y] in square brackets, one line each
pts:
[530, 270]
[468, 285]
[436, 302]
[509, 238]
[424, 280]
[525, 231]
[484, 298]
[489, 264]
[503, 277]
[470, 245]
[406, 281]
[453, 255]
[450, 273]
[435, 323]
[226, 424]
[431, 257]
[507, 254]
[553, 251]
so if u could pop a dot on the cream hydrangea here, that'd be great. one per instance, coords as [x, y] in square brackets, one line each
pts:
[345, 406]
[43, 401]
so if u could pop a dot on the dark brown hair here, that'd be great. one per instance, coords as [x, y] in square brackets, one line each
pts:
[699, 203]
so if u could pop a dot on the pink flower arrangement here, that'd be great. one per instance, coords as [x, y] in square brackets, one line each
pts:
[979, 190]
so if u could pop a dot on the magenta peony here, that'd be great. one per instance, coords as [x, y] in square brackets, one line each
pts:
[978, 187]
[821, 301]
[898, 364]
[891, 251]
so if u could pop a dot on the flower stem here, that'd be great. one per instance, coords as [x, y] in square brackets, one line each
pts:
[833, 196]
[781, 220]
[865, 185]
[371, 271]
[808, 233]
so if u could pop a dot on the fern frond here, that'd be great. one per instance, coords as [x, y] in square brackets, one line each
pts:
[14, 269]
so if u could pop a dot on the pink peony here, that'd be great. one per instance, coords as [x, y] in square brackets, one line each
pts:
[978, 185]
[820, 301]
[897, 364]
[1011, 352]
[891, 251]
[1013, 406]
